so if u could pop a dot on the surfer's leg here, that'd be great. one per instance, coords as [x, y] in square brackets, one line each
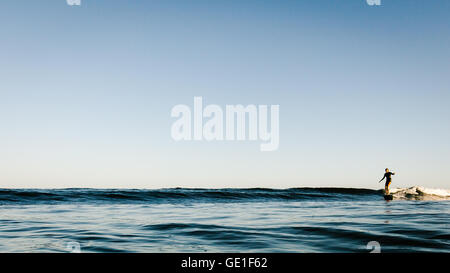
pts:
[386, 188]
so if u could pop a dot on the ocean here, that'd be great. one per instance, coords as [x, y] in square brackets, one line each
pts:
[224, 220]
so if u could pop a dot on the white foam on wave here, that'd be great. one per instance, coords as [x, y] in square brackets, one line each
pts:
[422, 193]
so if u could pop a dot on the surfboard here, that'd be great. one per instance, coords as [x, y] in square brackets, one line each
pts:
[388, 197]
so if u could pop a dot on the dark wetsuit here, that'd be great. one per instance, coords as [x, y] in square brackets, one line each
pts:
[388, 178]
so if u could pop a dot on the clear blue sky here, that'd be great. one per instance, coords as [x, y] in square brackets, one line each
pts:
[86, 92]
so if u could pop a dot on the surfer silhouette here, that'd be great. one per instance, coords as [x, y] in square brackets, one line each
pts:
[387, 175]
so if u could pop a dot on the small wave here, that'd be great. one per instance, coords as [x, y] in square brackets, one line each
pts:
[184, 195]
[179, 195]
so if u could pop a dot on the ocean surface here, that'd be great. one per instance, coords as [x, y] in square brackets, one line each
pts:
[224, 220]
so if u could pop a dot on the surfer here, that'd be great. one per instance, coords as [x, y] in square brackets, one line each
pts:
[387, 175]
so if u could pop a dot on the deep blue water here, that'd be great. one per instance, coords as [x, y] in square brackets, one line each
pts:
[221, 220]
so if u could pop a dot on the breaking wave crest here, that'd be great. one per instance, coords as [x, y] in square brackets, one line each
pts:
[420, 193]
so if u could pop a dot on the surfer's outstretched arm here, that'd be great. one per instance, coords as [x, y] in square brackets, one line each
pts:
[382, 178]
